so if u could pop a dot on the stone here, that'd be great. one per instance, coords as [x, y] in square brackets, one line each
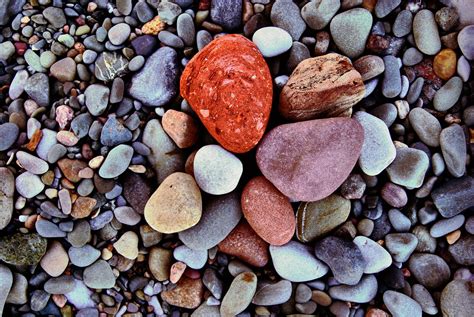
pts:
[163, 67]
[7, 49]
[8, 134]
[99, 275]
[369, 66]
[412, 56]
[425, 32]
[444, 64]
[227, 13]
[176, 205]
[18, 292]
[37, 87]
[83, 256]
[185, 29]
[392, 82]
[114, 132]
[378, 151]
[318, 13]
[447, 18]
[83, 207]
[55, 260]
[159, 263]
[124, 6]
[424, 298]
[362, 292]
[119, 33]
[320, 87]
[294, 254]
[55, 16]
[430, 270]
[187, 293]
[350, 30]
[110, 65]
[7, 191]
[6, 283]
[376, 257]
[409, 167]
[239, 295]
[394, 195]
[272, 41]
[269, 294]
[457, 298]
[22, 249]
[465, 42]
[64, 69]
[343, 258]
[327, 150]
[403, 23]
[454, 196]
[447, 96]
[246, 245]
[127, 245]
[315, 219]
[71, 168]
[426, 126]
[453, 146]
[168, 12]
[401, 245]
[195, 259]
[59, 285]
[17, 86]
[401, 305]
[181, 128]
[97, 98]
[80, 297]
[286, 15]
[249, 91]
[116, 162]
[463, 68]
[29, 185]
[127, 215]
[461, 251]
[220, 216]
[32, 163]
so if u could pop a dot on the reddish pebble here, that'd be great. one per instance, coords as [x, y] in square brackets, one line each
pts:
[394, 195]
[176, 271]
[64, 115]
[245, 244]
[444, 64]
[180, 127]
[187, 293]
[20, 48]
[229, 86]
[70, 168]
[268, 211]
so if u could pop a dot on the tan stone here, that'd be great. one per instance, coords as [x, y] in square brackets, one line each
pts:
[180, 127]
[127, 245]
[83, 207]
[55, 260]
[159, 263]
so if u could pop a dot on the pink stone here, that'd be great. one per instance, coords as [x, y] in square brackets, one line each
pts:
[64, 115]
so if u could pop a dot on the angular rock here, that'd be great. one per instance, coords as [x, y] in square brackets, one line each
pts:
[454, 196]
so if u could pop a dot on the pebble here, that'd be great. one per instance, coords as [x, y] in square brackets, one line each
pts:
[187, 293]
[454, 196]
[18, 292]
[457, 298]
[97, 98]
[465, 42]
[401, 245]
[80, 298]
[424, 298]
[376, 257]
[447, 18]
[240, 294]
[369, 66]
[64, 69]
[119, 33]
[83, 256]
[59, 285]
[272, 294]
[461, 250]
[195, 259]
[445, 226]
[175, 206]
[463, 68]
[127, 245]
[136, 63]
[272, 41]
[116, 162]
[318, 13]
[32, 163]
[412, 56]
[392, 83]
[8, 135]
[180, 127]
[316, 219]
[350, 30]
[295, 254]
[453, 147]
[110, 65]
[99, 275]
[7, 49]
[286, 15]
[7, 190]
[335, 144]
[124, 6]
[425, 32]
[401, 305]
[409, 167]
[170, 39]
[168, 12]
[163, 66]
[302, 293]
[17, 86]
[399, 221]
[28, 185]
[127, 215]
[444, 64]
[22, 249]
[6, 282]
[114, 132]
[55, 260]
[159, 263]
[259, 196]
[48, 229]
[37, 87]
[384, 7]
[362, 292]
[447, 96]
[429, 270]
[343, 258]
[402, 25]
[185, 29]
[55, 16]
[80, 235]
[216, 170]
[426, 126]
[219, 217]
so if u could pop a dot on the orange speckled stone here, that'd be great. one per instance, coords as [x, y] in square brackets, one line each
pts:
[268, 211]
[444, 64]
[187, 293]
[245, 244]
[229, 86]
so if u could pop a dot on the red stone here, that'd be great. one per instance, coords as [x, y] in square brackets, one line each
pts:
[229, 86]
[268, 211]
[20, 48]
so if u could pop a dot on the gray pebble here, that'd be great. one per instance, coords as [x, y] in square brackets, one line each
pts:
[401, 245]
[384, 7]
[426, 126]
[436, 276]
[392, 82]
[445, 226]
[403, 23]
[286, 15]
[425, 31]
[401, 305]
[453, 147]
[185, 29]
[170, 39]
[227, 13]
[415, 90]
[362, 292]
[447, 96]
[136, 63]
[83, 256]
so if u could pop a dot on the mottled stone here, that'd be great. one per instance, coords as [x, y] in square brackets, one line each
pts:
[453, 146]
[187, 293]
[110, 65]
[22, 249]
[7, 190]
[457, 298]
[430, 270]
[409, 167]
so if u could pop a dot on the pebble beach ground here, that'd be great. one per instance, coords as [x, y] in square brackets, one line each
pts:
[236, 158]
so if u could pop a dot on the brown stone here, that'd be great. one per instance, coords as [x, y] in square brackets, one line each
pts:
[64, 69]
[324, 86]
[55, 260]
[444, 64]
[159, 263]
[180, 127]
[83, 207]
[34, 141]
[268, 211]
[369, 66]
[71, 168]
[187, 293]
[136, 191]
[245, 244]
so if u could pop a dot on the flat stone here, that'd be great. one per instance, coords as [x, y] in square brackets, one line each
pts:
[294, 254]
[22, 249]
[29, 185]
[8, 134]
[114, 132]
[409, 167]
[55, 260]
[327, 150]
[457, 298]
[240, 294]
[97, 98]
[268, 294]
[119, 33]
[187, 293]
[392, 82]
[454, 196]
[80, 297]
[17, 86]
[376, 257]
[412, 56]
[461, 251]
[444, 226]
[83, 256]
[71, 168]
[195, 259]
[272, 41]
[426, 126]
[116, 162]
[318, 13]
[185, 29]
[444, 64]
[60, 285]
[424, 298]
[127, 215]
[425, 32]
[64, 69]
[80, 235]
[401, 245]
[181, 127]
[447, 96]
[362, 292]
[99, 275]
[402, 25]
[453, 147]
[286, 15]
[401, 305]
[7, 190]
[32, 163]
[430, 270]
[227, 14]
[168, 12]
[83, 207]
[55, 16]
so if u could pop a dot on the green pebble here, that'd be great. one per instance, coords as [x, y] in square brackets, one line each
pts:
[47, 59]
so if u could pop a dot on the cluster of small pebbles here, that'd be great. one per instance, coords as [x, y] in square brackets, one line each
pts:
[236, 157]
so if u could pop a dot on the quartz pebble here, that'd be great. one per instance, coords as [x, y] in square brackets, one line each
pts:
[272, 41]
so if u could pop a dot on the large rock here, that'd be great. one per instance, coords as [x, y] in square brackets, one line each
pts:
[320, 87]
[457, 299]
[229, 86]
[309, 160]
[22, 249]
[163, 67]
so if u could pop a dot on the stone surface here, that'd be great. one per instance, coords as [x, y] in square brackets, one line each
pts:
[430, 270]
[457, 298]
[180, 127]
[22, 249]
[99, 275]
[195, 259]
[401, 245]
[447, 96]
[327, 150]
[7, 190]
[83, 256]
[227, 13]
[32, 163]
[127, 245]
[6, 283]
[28, 185]
[362, 292]
[240, 294]
[454, 196]
[425, 32]
[426, 126]
[319, 87]
[110, 65]
[453, 147]
[64, 69]
[268, 294]
[18, 292]
[285, 14]
[55, 260]
[392, 82]
[37, 87]
[369, 66]
[401, 305]
[8, 133]
[318, 13]
[409, 167]
[444, 64]
[97, 98]
[159, 263]
[461, 251]
[465, 42]
[187, 293]
[272, 41]
[237, 115]
[376, 257]
[116, 162]
[176, 205]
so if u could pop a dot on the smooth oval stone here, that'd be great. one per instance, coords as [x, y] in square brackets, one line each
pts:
[259, 196]
[430, 270]
[378, 150]
[8, 135]
[444, 64]
[99, 275]
[29, 185]
[272, 294]
[83, 256]
[424, 298]
[229, 86]
[384, 7]
[7, 191]
[392, 82]
[188, 293]
[457, 298]
[412, 57]
[6, 283]
[447, 96]
[97, 98]
[127, 245]
[321, 87]
[176, 205]
[386, 112]
[444, 226]
[465, 41]
[32, 163]
[309, 160]
[127, 215]
[401, 245]
[272, 41]
[216, 170]
[119, 33]
[369, 66]
[426, 126]
[400, 305]
[219, 217]
[461, 251]
[454, 196]
[343, 258]
[286, 14]
[350, 30]
[409, 167]
[376, 257]
[293, 255]
[453, 147]
[317, 218]
[116, 162]
[318, 13]
[362, 292]
[59, 285]
[240, 294]
[403, 23]
[425, 32]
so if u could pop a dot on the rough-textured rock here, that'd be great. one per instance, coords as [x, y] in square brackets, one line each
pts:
[22, 249]
[454, 196]
[187, 293]
[457, 299]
